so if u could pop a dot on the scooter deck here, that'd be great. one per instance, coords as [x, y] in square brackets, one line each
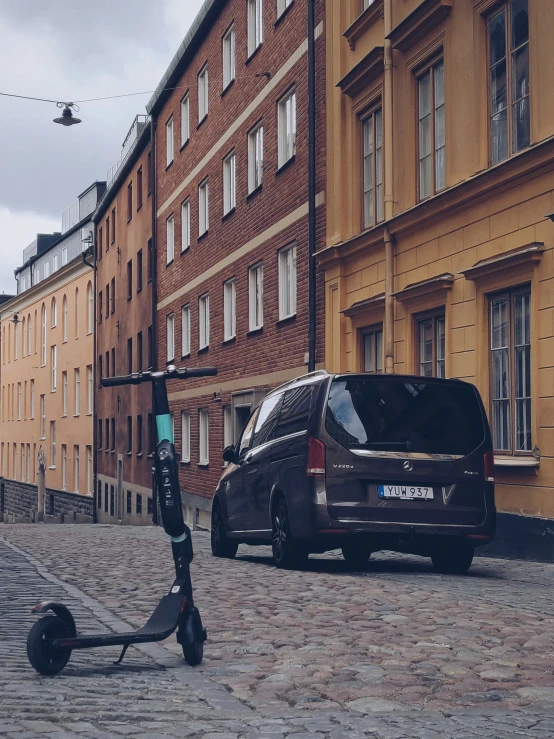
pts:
[161, 624]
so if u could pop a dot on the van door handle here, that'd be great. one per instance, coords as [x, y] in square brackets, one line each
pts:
[248, 458]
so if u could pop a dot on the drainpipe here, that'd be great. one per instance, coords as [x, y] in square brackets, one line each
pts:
[312, 304]
[389, 193]
[153, 348]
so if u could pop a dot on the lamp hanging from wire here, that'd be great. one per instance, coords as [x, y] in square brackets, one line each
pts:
[67, 118]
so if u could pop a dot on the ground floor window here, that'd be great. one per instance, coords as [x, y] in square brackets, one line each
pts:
[372, 350]
[431, 344]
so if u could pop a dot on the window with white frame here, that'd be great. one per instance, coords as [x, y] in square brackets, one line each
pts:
[287, 282]
[255, 25]
[77, 391]
[170, 336]
[76, 468]
[227, 426]
[89, 470]
[185, 330]
[170, 235]
[90, 390]
[203, 321]
[229, 183]
[19, 401]
[169, 142]
[52, 443]
[287, 127]
[203, 208]
[372, 141]
[64, 256]
[185, 118]
[43, 416]
[43, 335]
[32, 399]
[229, 309]
[90, 308]
[229, 57]
[204, 436]
[54, 363]
[64, 317]
[64, 393]
[255, 158]
[64, 467]
[282, 5]
[46, 268]
[256, 296]
[36, 276]
[54, 313]
[185, 225]
[56, 262]
[185, 436]
[203, 98]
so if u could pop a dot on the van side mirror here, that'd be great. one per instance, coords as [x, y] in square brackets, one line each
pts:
[229, 454]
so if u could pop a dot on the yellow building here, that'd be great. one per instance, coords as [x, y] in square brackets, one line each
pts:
[439, 258]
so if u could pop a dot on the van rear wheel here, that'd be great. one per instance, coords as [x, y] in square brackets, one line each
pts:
[452, 557]
[356, 552]
[287, 553]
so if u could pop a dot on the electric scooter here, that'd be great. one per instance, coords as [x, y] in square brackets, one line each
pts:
[54, 636]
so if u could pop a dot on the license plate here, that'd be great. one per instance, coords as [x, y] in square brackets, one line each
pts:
[405, 492]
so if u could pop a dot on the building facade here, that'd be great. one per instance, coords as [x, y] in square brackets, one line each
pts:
[438, 258]
[124, 277]
[232, 239]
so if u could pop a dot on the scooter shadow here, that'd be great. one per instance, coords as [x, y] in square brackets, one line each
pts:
[109, 669]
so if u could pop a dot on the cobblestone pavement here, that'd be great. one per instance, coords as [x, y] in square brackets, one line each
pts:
[393, 651]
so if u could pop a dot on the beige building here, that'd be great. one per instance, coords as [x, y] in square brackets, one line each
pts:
[439, 258]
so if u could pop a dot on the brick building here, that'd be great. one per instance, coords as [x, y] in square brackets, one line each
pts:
[124, 276]
[232, 209]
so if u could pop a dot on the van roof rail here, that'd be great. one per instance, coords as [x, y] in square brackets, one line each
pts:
[315, 373]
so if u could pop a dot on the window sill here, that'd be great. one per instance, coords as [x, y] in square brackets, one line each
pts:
[201, 123]
[253, 54]
[139, 290]
[184, 145]
[64, 415]
[254, 192]
[185, 356]
[76, 415]
[283, 14]
[203, 350]
[185, 462]
[185, 250]
[286, 320]
[52, 467]
[255, 331]
[88, 414]
[167, 264]
[507, 460]
[64, 341]
[227, 87]
[129, 219]
[42, 438]
[203, 236]
[286, 165]
[203, 465]
[229, 213]
[139, 206]
[169, 165]
[139, 454]
[129, 297]
[129, 454]
[229, 341]
[89, 333]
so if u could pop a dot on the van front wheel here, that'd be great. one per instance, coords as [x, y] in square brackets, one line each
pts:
[452, 557]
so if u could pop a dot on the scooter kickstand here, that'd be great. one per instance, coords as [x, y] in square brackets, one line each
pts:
[120, 660]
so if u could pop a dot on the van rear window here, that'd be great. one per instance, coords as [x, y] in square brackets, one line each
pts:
[380, 415]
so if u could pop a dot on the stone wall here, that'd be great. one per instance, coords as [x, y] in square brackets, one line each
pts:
[18, 503]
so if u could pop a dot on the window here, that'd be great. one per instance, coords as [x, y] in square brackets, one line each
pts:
[129, 434]
[46, 269]
[255, 25]
[185, 436]
[112, 303]
[294, 411]
[89, 470]
[255, 158]
[229, 184]
[113, 435]
[149, 172]
[19, 402]
[107, 364]
[170, 232]
[185, 225]
[54, 362]
[508, 39]
[139, 188]
[139, 504]
[229, 309]
[64, 318]
[150, 265]
[510, 362]
[139, 351]
[204, 437]
[229, 57]
[90, 390]
[107, 435]
[129, 201]
[99, 496]
[203, 321]
[36, 274]
[431, 131]
[64, 254]
[99, 439]
[139, 435]
[129, 279]
[169, 142]
[150, 348]
[185, 119]
[100, 241]
[64, 393]
[203, 208]
[76, 468]
[203, 97]
[372, 136]
[151, 434]
[32, 399]
[16, 341]
[52, 443]
[287, 282]
[113, 225]
[150, 506]
[100, 375]
[170, 336]
[129, 501]
[56, 262]
[64, 467]
[139, 270]
[287, 128]
[107, 233]
[256, 296]
[100, 306]
[282, 5]
[227, 426]
[107, 301]
[77, 391]
[54, 313]
[372, 350]
[43, 335]
[185, 330]
[431, 345]
[129, 355]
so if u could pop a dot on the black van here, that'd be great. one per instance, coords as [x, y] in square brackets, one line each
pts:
[361, 462]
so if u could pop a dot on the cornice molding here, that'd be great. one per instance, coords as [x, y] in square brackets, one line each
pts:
[364, 21]
[433, 286]
[529, 255]
[362, 306]
[416, 25]
[364, 72]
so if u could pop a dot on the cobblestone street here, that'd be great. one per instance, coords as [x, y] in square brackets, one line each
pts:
[395, 651]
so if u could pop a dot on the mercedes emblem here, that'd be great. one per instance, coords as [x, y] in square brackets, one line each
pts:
[408, 466]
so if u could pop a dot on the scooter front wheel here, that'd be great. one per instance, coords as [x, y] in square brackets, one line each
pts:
[42, 656]
[193, 653]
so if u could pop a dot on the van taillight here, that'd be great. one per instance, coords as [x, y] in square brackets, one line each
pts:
[489, 466]
[316, 457]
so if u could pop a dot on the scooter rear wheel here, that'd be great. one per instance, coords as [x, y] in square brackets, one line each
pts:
[194, 653]
[45, 659]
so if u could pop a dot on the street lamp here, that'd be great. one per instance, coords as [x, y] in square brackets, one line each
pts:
[67, 118]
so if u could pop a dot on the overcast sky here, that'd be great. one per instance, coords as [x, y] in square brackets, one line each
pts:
[72, 50]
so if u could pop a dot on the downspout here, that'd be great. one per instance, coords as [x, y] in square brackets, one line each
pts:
[153, 347]
[312, 304]
[389, 193]
[94, 384]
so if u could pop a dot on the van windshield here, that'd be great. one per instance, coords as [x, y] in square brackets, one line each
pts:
[391, 415]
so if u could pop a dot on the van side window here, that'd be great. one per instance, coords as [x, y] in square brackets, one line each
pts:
[295, 411]
[246, 436]
[267, 419]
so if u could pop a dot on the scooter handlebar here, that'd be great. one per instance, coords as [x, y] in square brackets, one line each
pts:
[172, 373]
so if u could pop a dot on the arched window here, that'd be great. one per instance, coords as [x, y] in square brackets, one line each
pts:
[24, 350]
[76, 312]
[64, 317]
[90, 309]
[54, 313]
[43, 336]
